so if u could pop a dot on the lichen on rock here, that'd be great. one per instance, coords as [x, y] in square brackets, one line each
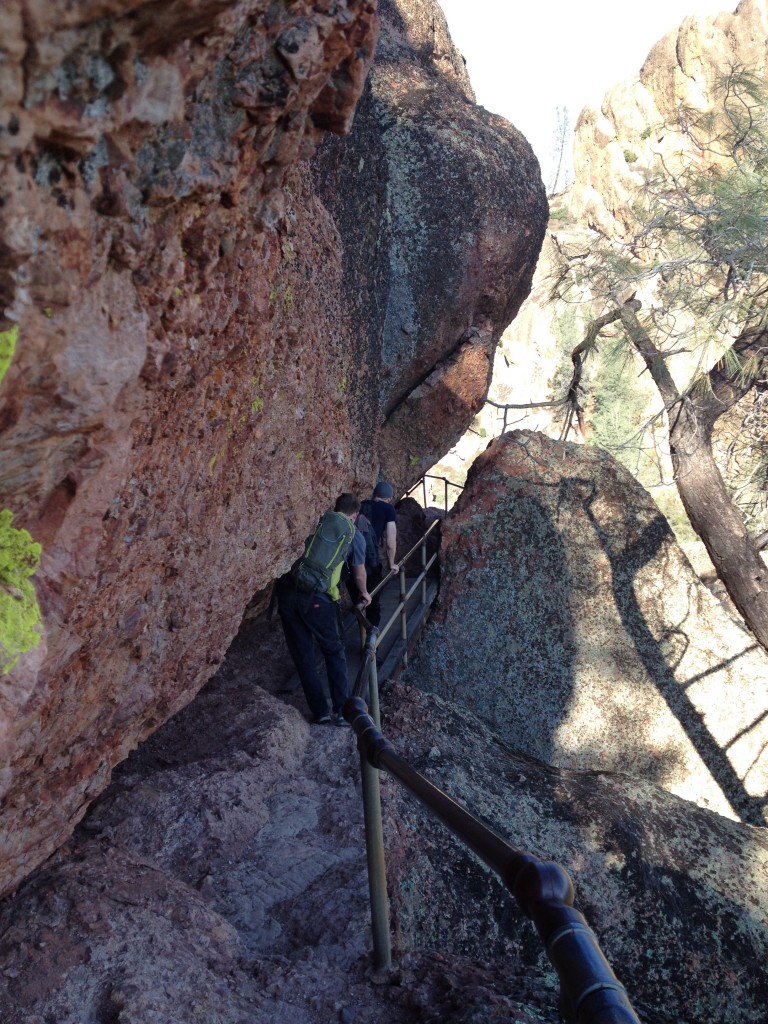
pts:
[8, 341]
[20, 622]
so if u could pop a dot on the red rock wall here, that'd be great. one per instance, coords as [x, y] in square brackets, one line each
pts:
[203, 360]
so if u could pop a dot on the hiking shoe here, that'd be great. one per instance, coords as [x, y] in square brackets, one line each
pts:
[340, 720]
[323, 720]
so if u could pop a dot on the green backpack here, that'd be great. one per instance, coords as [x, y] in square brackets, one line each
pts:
[319, 568]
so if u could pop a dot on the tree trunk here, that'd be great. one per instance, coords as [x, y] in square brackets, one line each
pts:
[713, 514]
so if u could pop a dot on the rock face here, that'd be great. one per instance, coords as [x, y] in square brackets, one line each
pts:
[571, 622]
[222, 877]
[434, 161]
[214, 336]
[677, 919]
[613, 144]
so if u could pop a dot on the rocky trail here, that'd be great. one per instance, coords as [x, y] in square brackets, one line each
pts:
[221, 879]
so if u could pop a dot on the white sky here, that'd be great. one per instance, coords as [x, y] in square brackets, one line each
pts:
[527, 59]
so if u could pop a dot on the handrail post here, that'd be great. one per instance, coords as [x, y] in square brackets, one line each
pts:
[403, 617]
[377, 873]
[590, 991]
[354, 707]
[373, 691]
[422, 483]
[424, 572]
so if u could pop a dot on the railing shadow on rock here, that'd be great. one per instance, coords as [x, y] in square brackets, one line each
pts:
[590, 993]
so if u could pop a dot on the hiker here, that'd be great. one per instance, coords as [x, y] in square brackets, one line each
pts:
[373, 575]
[307, 602]
[377, 519]
[384, 520]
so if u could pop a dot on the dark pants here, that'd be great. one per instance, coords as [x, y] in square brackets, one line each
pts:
[306, 618]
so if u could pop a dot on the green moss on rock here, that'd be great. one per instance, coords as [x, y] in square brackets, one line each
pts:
[7, 348]
[20, 622]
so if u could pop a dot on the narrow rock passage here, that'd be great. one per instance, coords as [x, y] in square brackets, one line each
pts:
[221, 877]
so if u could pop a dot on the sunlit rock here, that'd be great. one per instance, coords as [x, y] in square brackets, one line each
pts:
[570, 620]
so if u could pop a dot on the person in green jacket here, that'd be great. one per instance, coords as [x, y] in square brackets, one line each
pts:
[312, 616]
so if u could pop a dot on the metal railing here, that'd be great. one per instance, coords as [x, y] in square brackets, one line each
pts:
[374, 829]
[367, 685]
[420, 582]
[423, 485]
[400, 613]
[590, 993]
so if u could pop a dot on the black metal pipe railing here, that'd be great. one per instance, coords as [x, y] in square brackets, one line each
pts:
[400, 610]
[399, 565]
[372, 632]
[422, 483]
[366, 688]
[590, 992]
[366, 683]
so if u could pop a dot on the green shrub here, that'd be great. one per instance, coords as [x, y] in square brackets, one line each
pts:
[560, 214]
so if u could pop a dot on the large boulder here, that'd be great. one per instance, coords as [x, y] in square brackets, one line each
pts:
[677, 895]
[435, 192]
[195, 375]
[570, 621]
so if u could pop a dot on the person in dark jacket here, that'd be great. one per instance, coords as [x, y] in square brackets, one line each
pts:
[384, 521]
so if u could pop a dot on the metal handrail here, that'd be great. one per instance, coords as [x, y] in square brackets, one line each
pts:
[404, 559]
[366, 682]
[590, 993]
[423, 484]
[400, 611]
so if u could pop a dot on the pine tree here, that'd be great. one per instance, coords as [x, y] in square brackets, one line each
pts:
[697, 251]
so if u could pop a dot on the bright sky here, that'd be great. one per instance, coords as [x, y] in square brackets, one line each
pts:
[527, 59]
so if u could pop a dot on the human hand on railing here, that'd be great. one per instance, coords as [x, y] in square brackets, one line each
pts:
[365, 600]
[394, 569]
